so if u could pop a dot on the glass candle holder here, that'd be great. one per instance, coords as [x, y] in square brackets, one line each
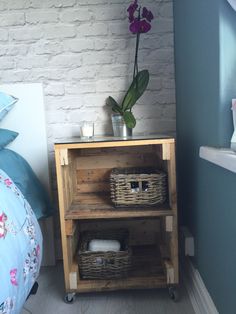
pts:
[87, 130]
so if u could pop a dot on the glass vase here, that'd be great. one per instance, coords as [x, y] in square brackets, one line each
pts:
[120, 129]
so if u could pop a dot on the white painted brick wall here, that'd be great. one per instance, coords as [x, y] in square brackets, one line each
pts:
[82, 52]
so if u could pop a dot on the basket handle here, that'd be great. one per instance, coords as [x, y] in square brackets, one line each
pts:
[105, 261]
[139, 186]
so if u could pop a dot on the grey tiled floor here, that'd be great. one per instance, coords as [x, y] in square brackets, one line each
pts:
[49, 299]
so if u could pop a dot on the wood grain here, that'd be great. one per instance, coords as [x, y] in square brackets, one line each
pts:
[105, 210]
[83, 171]
[111, 143]
[147, 271]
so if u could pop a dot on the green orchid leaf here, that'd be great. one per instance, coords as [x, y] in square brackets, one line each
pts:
[137, 88]
[129, 119]
[114, 105]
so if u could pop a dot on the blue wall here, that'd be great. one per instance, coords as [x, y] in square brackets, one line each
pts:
[205, 54]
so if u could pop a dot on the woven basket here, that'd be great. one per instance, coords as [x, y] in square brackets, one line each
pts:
[104, 265]
[138, 186]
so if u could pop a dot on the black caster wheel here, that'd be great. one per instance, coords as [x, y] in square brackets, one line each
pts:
[69, 298]
[33, 290]
[174, 294]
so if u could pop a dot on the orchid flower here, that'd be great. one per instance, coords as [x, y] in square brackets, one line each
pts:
[139, 23]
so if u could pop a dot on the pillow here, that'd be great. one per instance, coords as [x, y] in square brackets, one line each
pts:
[6, 103]
[6, 137]
[18, 169]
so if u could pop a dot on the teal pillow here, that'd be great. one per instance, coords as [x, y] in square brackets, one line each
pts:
[6, 137]
[6, 103]
[18, 169]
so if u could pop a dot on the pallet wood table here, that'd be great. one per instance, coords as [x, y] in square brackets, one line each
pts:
[83, 170]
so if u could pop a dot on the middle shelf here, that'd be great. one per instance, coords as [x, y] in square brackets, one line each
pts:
[78, 211]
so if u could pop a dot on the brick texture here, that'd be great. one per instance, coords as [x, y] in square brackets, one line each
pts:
[82, 52]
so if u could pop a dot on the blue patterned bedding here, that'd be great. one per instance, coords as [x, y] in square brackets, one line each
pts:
[20, 247]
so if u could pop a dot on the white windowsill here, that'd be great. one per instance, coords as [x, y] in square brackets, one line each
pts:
[222, 157]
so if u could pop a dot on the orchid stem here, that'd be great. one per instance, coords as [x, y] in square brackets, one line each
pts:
[135, 72]
[136, 56]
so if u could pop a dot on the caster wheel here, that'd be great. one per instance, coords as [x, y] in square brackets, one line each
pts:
[69, 298]
[33, 290]
[174, 294]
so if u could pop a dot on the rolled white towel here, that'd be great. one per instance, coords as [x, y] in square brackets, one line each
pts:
[98, 245]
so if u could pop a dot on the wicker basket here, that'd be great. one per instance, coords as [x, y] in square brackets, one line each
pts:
[104, 265]
[138, 186]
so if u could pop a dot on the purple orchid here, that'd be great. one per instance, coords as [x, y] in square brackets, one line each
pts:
[139, 26]
[134, 26]
[147, 14]
[144, 26]
[131, 9]
[139, 23]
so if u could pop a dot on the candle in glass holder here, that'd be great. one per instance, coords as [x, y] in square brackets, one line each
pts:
[87, 130]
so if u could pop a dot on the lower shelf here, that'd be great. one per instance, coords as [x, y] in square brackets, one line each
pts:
[122, 284]
[148, 271]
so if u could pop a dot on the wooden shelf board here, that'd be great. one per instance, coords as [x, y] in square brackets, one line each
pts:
[87, 211]
[147, 272]
[122, 284]
[97, 142]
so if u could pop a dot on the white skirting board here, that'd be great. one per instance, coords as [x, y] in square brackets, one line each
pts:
[198, 294]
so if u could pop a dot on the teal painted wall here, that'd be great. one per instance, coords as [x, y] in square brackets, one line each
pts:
[205, 55]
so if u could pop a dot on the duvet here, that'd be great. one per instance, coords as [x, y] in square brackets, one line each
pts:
[20, 247]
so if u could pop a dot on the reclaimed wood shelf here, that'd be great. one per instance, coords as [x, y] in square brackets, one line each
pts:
[83, 171]
[158, 281]
[147, 271]
[82, 211]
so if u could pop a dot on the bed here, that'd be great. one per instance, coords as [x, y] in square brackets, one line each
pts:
[23, 200]
[20, 247]
[32, 144]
